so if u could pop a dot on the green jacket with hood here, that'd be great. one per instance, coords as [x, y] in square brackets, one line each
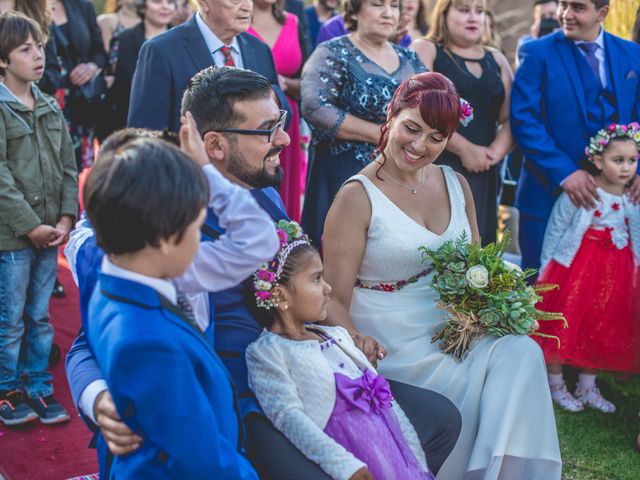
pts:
[38, 176]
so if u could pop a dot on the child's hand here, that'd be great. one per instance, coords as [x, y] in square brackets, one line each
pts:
[63, 227]
[362, 474]
[43, 235]
[191, 142]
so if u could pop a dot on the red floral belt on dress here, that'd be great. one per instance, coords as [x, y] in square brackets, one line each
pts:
[392, 286]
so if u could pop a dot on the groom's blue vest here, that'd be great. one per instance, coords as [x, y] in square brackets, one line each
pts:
[235, 325]
[600, 101]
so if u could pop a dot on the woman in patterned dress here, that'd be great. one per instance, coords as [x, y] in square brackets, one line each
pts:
[346, 87]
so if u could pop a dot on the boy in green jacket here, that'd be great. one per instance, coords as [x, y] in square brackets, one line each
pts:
[38, 204]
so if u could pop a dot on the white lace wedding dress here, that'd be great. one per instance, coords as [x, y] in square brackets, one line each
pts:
[500, 388]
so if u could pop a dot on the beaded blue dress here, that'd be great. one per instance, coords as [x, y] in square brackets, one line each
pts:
[339, 80]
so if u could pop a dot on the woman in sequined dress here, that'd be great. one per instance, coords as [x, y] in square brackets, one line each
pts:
[346, 87]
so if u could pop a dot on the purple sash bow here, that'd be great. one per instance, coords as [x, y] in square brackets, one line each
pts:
[368, 393]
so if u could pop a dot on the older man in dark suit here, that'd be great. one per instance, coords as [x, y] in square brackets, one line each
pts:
[215, 35]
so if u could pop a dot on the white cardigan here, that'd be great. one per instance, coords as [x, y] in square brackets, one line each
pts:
[568, 224]
[295, 386]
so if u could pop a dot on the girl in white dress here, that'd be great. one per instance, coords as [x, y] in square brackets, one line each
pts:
[372, 233]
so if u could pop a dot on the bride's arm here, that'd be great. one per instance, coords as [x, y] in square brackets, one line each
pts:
[343, 244]
[470, 208]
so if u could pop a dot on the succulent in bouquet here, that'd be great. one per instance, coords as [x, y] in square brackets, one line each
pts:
[483, 294]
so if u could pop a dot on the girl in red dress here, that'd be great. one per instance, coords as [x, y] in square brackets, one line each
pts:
[593, 256]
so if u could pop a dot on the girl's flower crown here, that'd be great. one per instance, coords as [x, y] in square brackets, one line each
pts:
[601, 140]
[466, 112]
[267, 276]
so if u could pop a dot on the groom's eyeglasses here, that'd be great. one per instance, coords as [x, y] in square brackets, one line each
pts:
[282, 120]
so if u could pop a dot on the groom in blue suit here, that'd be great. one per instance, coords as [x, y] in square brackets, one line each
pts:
[215, 35]
[569, 85]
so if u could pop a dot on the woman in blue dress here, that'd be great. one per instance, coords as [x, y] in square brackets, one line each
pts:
[346, 87]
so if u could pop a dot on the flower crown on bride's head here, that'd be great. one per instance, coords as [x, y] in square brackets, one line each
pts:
[466, 112]
[601, 140]
[266, 278]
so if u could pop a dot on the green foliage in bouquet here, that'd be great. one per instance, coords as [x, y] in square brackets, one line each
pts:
[483, 294]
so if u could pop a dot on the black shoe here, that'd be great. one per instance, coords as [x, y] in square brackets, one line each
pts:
[48, 409]
[58, 290]
[13, 408]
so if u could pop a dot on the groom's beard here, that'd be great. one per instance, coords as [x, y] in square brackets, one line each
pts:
[258, 178]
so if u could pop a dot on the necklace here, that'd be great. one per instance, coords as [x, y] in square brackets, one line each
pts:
[414, 190]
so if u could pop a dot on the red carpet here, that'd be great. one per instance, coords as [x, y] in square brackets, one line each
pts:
[54, 452]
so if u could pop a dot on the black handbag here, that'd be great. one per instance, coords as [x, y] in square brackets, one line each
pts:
[85, 101]
[94, 91]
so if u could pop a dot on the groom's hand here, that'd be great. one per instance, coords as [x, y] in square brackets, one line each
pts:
[119, 438]
[581, 188]
[369, 346]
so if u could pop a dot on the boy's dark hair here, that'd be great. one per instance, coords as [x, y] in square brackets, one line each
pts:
[142, 192]
[600, 3]
[15, 28]
[212, 93]
[293, 263]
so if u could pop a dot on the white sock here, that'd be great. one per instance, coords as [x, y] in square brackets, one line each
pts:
[586, 381]
[555, 379]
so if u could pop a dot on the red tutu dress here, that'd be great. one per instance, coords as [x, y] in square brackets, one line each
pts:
[592, 256]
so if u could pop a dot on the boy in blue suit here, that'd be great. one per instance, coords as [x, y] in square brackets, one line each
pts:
[165, 378]
[569, 85]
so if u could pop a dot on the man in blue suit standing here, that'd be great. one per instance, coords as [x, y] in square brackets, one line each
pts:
[215, 35]
[569, 85]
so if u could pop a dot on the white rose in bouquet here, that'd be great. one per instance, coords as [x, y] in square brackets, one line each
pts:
[512, 267]
[478, 276]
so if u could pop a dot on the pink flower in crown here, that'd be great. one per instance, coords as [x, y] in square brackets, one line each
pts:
[602, 142]
[612, 127]
[264, 296]
[623, 128]
[266, 276]
[634, 125]
[282, 235]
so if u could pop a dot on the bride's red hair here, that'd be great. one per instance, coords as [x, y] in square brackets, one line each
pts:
[436, 98]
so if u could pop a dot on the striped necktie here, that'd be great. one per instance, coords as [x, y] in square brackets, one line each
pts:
[186, 308]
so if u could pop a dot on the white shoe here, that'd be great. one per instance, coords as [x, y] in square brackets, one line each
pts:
[592, 397]
[562, 397]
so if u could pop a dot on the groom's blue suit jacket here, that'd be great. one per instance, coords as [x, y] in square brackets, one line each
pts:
[234, 324]
[556, 107]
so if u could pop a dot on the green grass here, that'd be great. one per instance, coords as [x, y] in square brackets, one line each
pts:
[598, 446]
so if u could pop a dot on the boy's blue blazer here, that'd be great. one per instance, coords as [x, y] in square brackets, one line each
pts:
[168, 384]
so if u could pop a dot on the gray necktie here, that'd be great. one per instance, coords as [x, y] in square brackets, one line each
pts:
[184, 305]
[589, 48]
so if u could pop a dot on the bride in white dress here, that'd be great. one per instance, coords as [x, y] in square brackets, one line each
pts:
[372, 233]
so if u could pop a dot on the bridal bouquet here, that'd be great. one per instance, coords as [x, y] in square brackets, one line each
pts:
[483, 294]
